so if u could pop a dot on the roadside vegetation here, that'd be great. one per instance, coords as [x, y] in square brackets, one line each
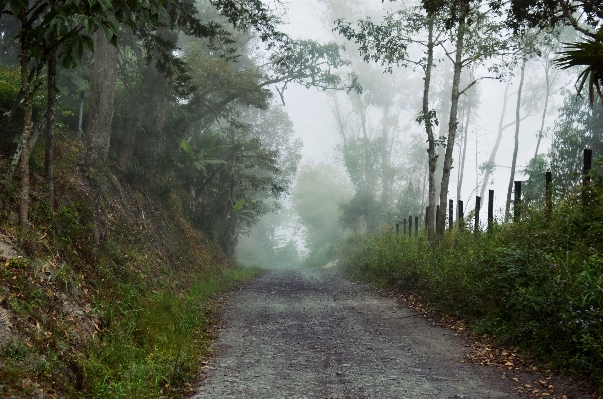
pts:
[535, 284]
[131, 318]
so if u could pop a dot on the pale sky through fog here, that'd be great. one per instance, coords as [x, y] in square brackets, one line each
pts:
[314, 122]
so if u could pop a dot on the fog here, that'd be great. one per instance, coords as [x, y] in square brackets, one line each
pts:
[314, 114]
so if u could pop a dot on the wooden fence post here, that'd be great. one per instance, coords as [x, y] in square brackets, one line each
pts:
[416, 225]
[450, 214]
[461, 216]
[548, 177]
[517, 202]
[404, 224]
[397, 229]
[477, 209]
[588, 161]
[490, 209]
[410, 226]
[426, 217]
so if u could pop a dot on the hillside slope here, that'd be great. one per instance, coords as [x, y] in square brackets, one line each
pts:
[110, 294]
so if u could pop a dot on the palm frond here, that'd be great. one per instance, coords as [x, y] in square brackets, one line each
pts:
[587, 53]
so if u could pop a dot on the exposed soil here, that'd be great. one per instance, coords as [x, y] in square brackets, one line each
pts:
[317, 334]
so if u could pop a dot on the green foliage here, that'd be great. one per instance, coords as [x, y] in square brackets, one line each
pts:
[535, 284]
[316, 197]
[579, 126]
[410, 200]
[589, 54]
[534, 188]
[153, 340]
[10, 84]
[322, 256]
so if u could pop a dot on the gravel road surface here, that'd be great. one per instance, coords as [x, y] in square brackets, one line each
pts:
[317, 334]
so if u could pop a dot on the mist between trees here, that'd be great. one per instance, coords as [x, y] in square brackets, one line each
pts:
[429, 100]
[457, 98]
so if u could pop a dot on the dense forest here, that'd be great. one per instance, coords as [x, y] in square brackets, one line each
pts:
[145, 146]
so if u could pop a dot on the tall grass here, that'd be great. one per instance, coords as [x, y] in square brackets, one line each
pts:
[536, 284]
[152, 344]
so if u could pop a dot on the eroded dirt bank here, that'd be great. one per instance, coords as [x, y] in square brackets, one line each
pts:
[316, 334]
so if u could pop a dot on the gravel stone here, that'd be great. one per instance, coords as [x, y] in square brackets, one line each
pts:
[317, 334]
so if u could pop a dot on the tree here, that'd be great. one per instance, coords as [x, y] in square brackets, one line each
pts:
[579, 126]
[585, 17]
[318, 193]
[102, 94]
[387, 43]
[469, 104]
[477, 36]
[516, 146]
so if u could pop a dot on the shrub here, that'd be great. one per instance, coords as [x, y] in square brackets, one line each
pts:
[536, 284]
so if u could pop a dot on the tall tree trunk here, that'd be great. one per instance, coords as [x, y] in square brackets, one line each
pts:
[102, 96]
[385, 165]
[27, 100]
[368, 180]
[432, 157]
[514, 161]
[443, 115]
[126, 150]
[463, 154]
[452, 126]
[49, 156]
[546, 103]
[492, 158]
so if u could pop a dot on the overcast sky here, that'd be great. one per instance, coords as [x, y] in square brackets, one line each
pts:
[314, 122]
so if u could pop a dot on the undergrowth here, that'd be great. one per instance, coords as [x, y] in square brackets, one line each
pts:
[116, 295]
[153, 341]
[536, 285]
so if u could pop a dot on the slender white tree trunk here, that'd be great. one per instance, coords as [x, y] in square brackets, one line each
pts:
[432, 158]
[452, 126]
[514, 161]
[492, 158]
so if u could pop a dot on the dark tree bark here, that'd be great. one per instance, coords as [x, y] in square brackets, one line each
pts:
[102, 96]
[28, 103]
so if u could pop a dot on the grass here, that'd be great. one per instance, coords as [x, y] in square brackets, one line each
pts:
[153, 343]
[117, 295]
[536, 285]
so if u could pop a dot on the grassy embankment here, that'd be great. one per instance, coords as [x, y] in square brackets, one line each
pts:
[115, 297]
[536, 285]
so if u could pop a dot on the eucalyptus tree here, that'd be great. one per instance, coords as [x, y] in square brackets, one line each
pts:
[388, 44]
[529, 42]
[552, 76]
[475, 33]
[469, 104]
[477, 36]
[516, 141]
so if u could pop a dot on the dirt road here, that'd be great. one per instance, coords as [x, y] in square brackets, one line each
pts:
[316, 334]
